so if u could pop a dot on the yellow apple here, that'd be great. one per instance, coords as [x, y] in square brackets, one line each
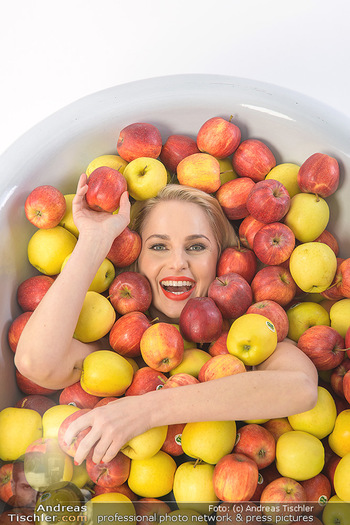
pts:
[302, 316]
[152, 477]
[313, 266]
[103, 278]
[67, 220]
[19, 427]
[193, 487]
[105, 506]
[320, 420]
[339, 439]
[146, 444]
[307, 217]
[80, 476]
[226, 170]
[54, 416]
[133, 363]
[187, 344]
[145, 177]
[106, 373]
[192, 362]
[47, 249]
[287, 174]
[252, 338]
[111, 161]
[208, 440]
[299, 455]
[342, 478]
[96, 318]
[336, 512]
[339, 315]
[199, 170]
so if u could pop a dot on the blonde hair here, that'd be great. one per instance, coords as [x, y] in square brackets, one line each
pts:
[221, 227]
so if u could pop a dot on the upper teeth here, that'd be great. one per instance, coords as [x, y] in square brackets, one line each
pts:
[177, 283]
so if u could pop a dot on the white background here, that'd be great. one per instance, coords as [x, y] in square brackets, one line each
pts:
[54, 52]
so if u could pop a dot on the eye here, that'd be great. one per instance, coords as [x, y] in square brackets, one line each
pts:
[198, 247]
[158, 247]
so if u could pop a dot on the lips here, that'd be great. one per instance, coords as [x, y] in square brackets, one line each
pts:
[177, 288]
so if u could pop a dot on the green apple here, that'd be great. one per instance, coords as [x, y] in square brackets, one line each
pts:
[103, 278]
[152, 477]
[111, 161]
[192, 361]
[193, 487]
[54, 416]
[226, 170]
[145, 177]
[307, 217]
[96, 318]
[336, 512]
[302, 316]
[208, 440]
[67, 220]
[252, 338]
[320, 420]
[313, 266]
[19, 428]
[147, 444]
[339, 315]
[287, 174]
[47, 249]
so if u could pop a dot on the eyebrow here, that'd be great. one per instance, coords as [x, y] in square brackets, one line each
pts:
[188, 238]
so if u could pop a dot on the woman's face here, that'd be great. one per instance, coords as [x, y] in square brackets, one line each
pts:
[179, 256]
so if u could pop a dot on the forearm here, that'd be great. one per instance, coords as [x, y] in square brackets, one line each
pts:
[46, 339]
[251, 395]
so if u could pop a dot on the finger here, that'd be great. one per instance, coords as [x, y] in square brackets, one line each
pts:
[75, 427]
[111, 452]
[124, 207]
[86, 444]
[101, 448]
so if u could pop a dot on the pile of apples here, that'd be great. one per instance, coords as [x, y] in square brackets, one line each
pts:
[283, 279]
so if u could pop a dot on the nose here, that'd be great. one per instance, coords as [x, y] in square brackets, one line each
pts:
[178, 259]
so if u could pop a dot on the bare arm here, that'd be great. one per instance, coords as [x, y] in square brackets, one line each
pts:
[47, 353]
[286, 383]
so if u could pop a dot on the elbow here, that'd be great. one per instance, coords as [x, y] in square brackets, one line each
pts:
[308, 392]
[27, 367]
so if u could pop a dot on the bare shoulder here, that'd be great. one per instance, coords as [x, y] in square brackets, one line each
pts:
[287, 356]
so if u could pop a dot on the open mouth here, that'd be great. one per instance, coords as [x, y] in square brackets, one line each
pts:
[177, 289]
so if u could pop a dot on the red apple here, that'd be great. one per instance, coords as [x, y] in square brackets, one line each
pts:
[105, 400]
[172, 444]
[274, 283]
[328, 238]
[105, 187]
[219, 347]
[275, 313]
[121, 489]
[318, 490]
[334, 292]
[150, 509]
[323, 345]
[319, 174]
[232, 197]
[347, 341]
[139, 139]
[283, 491]
[200, 320]
[45, 206]
[329, 469]
[175, 149]
[36, 402]
[130, 292]
[274, 243]
[32, 290]
[180, 379]
[337, 377]
[237, 260]
[6, 484]
[235, 477]
[162, 347]
[231, 294]
[257, 443]
[268, 201]
[200, 170]
[253, 159]
[125, 335]
[218, 137]
[344, 271]
[277, 427]
[16, 328]
[29, 387]
[125, 248]
[111, 474]
[75, 395]
[145, 379]
[221, 366]
[248, 229]
[72, 447]
[346, 386]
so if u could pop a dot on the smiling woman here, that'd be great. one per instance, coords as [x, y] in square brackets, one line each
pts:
[183, 233]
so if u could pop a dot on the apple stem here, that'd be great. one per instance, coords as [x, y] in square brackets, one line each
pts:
[317, 197]
[220, 281]
[154, 320]
[198, 460]
[226, 171]
[231, 117]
